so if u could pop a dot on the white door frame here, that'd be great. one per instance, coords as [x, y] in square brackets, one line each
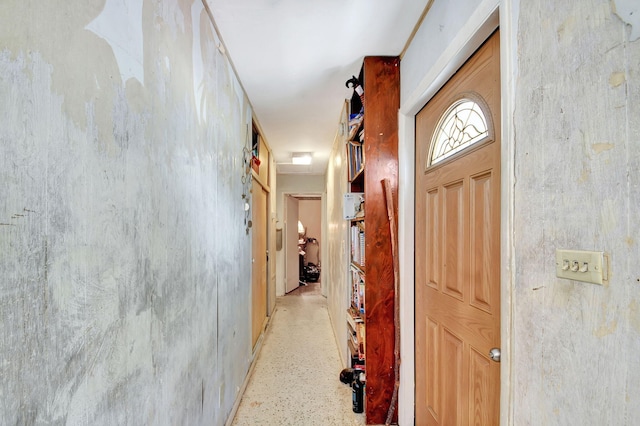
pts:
[322, 196]
[290, 227]
[489, 15]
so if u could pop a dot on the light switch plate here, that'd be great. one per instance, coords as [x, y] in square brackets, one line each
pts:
[582, 265]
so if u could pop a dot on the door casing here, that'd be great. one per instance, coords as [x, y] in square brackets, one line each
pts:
[292, 274]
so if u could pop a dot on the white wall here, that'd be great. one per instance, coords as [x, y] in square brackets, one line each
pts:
[273, 202]
[433, 54]
[309, 212]
[124, 296]
[335, 263]
[570, 75]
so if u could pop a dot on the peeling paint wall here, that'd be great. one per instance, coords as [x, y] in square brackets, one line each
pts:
[122, 300]
[577, 156]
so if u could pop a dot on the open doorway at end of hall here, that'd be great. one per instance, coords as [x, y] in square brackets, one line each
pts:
[302, 242]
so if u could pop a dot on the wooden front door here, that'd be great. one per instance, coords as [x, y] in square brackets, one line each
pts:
[457, 288]
[259, 260]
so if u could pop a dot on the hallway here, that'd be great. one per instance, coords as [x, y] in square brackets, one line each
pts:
[296, 377]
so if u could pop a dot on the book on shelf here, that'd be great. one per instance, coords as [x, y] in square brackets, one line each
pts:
[357, 244]
[355, 121]
[353, 348]
[355, 156]
[354, 315]
[357, 292]
[354, 338]
[362, 251]
[353, 205]
[356, 342]
[351, 321]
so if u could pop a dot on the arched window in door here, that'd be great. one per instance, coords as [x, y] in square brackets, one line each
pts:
[463, 124]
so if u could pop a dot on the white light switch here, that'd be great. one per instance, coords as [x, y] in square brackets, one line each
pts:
[581, 265]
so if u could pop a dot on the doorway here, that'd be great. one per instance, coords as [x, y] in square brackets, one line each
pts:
[303, 225]
[457, 247]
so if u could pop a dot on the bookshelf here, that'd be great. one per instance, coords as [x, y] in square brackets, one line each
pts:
[372, 154]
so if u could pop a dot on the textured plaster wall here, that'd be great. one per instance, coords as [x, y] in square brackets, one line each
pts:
[123, 295]
[576, 186]
[336, 260]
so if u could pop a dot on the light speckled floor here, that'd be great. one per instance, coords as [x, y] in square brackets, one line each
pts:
[296, 377]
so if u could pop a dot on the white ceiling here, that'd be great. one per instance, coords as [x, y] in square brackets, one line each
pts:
[293, 58]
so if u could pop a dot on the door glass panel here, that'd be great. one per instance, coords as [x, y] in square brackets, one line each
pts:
[463, 124]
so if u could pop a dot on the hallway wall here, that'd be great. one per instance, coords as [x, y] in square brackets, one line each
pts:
[336, 262]
[310, 214]
[576, 156]
[124, 296]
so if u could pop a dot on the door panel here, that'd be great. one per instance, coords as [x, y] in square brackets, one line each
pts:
[481, 376]
[432, 238]
[481, 225]
[433, 367]
[452, 369]
[259, 265]
[453, 224]
[457, 258]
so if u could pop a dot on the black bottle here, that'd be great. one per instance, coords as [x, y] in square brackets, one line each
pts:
[357, 390]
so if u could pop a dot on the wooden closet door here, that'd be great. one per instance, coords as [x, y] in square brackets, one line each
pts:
[259, 261]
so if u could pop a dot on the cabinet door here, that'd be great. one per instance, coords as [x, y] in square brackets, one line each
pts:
[259, 265]
[292, 277]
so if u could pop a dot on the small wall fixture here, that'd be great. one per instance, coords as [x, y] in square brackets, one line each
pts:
[301, 158]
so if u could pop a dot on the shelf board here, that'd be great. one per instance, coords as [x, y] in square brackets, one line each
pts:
[358, 267]
[358, 174]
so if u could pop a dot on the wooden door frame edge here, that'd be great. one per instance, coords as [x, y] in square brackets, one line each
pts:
[263, 184]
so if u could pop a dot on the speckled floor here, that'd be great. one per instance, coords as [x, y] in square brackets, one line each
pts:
[296, 377]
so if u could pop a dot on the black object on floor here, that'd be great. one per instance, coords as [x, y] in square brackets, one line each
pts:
[346, 376]
[358, 392]
[311, 273]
